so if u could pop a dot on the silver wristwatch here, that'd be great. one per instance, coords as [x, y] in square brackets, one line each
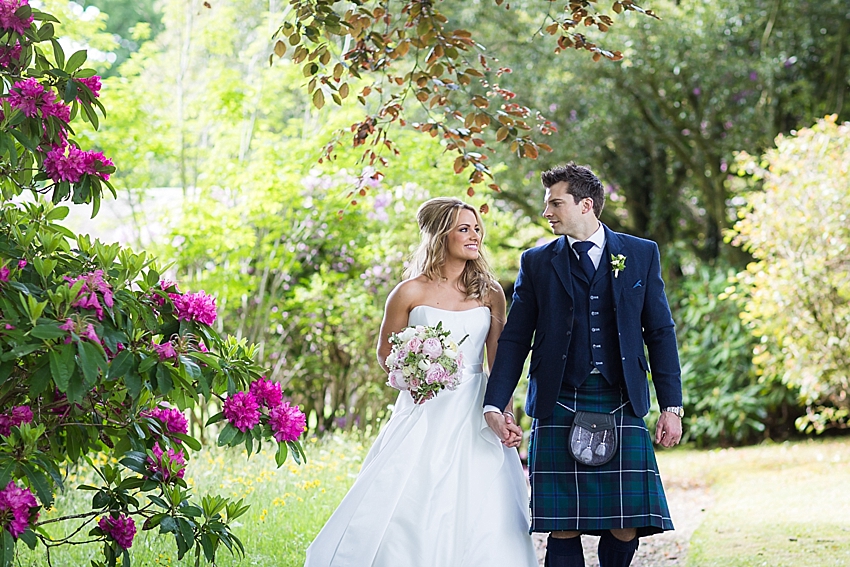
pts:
[678, 410]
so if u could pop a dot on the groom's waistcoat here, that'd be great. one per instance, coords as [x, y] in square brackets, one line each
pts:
[594, 341]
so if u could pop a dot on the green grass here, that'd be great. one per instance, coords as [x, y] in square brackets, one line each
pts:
[288, 506]
[779, 505]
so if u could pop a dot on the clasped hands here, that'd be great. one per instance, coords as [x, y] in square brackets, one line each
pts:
[504, 426]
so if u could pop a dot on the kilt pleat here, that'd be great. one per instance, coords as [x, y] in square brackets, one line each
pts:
[626, 492]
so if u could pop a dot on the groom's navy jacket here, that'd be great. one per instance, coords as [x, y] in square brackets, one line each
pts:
[543, 310]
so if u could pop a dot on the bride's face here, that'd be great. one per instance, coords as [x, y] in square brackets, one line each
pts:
[465, 237]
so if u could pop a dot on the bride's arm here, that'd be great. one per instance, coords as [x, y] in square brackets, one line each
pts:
[396, 315]
[496, 303]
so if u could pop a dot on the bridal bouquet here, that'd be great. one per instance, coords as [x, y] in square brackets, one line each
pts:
[423, 361]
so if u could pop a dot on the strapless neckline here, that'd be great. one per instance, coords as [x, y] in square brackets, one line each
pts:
[450, 310]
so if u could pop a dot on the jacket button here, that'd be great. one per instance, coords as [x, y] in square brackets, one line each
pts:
[563, 357]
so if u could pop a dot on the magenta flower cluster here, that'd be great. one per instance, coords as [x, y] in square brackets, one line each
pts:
[287, 422]
[243, 410]
[70, 163]
[29, 96]
[16, 508]
[121, 528]
[172, 418]
[87, 298]
[165, 351]
[15, 418]
[194, 307]
[266, 392]
[169, 464]
[93, 83]
[11, 22]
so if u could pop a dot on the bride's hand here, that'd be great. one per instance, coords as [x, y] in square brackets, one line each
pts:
[515, 430]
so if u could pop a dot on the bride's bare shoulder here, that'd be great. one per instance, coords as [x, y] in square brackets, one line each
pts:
[409, 292]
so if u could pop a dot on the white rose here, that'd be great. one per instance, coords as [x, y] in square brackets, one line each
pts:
[424, 364]
[407, 334]
[450, 353]
[407, 370]
[392, 359]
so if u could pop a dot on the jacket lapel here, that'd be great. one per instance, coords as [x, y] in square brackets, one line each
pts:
[561, 264]
[615, 246]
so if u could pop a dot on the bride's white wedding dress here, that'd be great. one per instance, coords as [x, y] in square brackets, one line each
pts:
[437, 488]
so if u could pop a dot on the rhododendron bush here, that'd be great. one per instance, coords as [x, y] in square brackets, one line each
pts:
[99, 354]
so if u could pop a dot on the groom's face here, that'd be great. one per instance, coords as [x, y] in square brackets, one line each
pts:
[565, 216]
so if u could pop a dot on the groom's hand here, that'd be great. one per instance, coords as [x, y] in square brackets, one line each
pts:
[509, 432]
[668, 432]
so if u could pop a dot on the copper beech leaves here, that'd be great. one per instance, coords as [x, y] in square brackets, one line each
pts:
[416, 63]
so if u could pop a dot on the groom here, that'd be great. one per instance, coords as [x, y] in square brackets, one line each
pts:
[586, 305]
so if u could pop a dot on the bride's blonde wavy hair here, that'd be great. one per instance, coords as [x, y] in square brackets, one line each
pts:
[437, 217]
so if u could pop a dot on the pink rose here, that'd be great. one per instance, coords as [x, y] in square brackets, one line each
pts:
[397, 381]
[436, 374]
[414, 344]
[432, 348]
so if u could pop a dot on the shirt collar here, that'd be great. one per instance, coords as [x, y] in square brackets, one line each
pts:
[598, 238]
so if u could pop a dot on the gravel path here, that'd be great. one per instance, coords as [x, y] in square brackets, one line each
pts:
[688, 504]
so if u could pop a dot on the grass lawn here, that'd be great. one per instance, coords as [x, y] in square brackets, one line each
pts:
[782, 505]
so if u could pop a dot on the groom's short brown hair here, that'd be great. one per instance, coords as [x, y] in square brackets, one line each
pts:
[581, 183]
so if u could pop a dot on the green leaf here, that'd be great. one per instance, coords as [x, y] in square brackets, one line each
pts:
[227, 434]
[70, 89]
[163, 378]
[133, 381]
[147, 363]
[120, 365]
[8, 547]
[76, 388]
[167, 525]
[48, 331]
[91, 361]
[280, 455]
[215, 419]
[186, 531]
[28, 537]
[25, 141]
[40, 379]
[75, 61]
[6, 470]
[57, 213]
[193, 443]
[39, 481]
[62, 365]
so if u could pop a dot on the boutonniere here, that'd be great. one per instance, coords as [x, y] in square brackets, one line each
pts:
[618, 263]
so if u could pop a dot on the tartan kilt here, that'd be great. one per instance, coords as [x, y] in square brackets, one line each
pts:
[566, 495]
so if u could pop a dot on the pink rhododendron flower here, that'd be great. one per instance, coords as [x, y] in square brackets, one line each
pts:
[58, 109]
[242, 410]
[266, 392]
[169, 464]
[16, 506]
[195, 307]
[164, 285]
[29, 95]
[287, 422]
[121, 528]
[4, 273]
[5, 425]
[22, 263]
[93, 83]
[8, 19]
[87, 297]
[172, 418]
[165, 351]
[69, 163]
[68, 325]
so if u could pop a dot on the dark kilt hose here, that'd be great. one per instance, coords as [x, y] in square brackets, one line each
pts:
[566, 495]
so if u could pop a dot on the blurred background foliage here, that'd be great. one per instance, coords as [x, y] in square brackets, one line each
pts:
[219, 173]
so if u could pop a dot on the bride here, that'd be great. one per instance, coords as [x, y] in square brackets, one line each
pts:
[438, 488]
